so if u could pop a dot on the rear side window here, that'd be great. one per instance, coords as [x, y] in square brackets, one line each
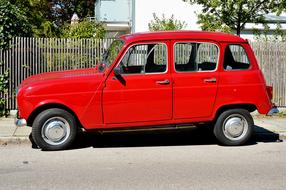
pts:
[235, 58]
[194, 56]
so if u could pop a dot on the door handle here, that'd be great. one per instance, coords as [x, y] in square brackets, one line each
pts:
[210, 80]
[163, 82]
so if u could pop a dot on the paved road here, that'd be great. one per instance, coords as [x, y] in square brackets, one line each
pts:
[146, 161]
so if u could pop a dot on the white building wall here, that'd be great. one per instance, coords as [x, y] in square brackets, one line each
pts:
[182, 11]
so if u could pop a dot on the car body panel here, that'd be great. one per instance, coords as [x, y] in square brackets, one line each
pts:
[74, 89]
[243, 86]
[193, 96]
[141, 99]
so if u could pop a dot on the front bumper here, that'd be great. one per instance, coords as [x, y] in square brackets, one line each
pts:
[272, 111]
[20, 122]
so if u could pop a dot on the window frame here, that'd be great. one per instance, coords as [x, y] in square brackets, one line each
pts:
[201, 42]
[247, 55]
[145, 43]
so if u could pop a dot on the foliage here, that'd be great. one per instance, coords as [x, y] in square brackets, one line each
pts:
[36, 12]
[4, 82]
[67, 53]
[61, 11]
[282, 114]
[47, 17]
[210, 23]
[12, 23]
[230, 15]
[113, 51]
[279, 35]
[163, 23]
[85, 29]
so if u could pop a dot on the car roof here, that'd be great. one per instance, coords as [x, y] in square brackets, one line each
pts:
[183, 35]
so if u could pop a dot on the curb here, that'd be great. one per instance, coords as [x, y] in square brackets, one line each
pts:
[282, 136]
[14, 140]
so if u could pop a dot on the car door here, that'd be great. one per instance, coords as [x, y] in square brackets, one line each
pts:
[195, 78]
[141, 90]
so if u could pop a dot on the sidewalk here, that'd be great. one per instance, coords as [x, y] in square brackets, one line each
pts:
[9, 133]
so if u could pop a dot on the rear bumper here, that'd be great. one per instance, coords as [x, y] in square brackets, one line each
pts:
[272, 111]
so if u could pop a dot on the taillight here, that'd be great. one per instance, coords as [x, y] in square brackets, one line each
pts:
[269, 91]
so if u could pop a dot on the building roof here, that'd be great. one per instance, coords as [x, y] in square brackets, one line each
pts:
[275, 19]
[192, 35]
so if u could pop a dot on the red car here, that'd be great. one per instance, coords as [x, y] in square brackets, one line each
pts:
[151, 79]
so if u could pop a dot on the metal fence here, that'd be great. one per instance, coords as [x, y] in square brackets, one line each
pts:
[272, 60]
[29, 56]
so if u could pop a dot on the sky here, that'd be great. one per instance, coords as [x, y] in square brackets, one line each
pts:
[183, 12]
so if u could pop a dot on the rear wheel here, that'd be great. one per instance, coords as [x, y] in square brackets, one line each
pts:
[54, 129]
[234, 127]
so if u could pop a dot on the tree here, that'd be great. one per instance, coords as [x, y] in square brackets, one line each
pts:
[13, 22]
[37, 14]
[4, 82]
[47, 17]
[84, 29]
[165, 23]
[278, 34]
[232, 15]
[61, 11]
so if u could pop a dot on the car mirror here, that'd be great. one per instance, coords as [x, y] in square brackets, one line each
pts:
[117, 71]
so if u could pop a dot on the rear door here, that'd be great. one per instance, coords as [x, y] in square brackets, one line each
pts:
[195, 78]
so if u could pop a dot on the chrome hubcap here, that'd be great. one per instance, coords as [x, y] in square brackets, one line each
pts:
[235, 127]
[55, 131]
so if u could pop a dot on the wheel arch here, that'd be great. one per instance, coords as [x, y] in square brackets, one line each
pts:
[41, 108]
[248, 107]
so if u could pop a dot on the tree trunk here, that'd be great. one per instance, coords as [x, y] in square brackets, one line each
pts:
[238, 25]
[238, 31]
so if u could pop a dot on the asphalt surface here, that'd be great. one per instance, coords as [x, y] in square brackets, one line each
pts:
[169, 160]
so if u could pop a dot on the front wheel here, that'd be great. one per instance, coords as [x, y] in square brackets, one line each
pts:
[54, 129]
[234, 127]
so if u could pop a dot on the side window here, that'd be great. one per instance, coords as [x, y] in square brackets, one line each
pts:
[195, 57]
[144, 58]
[235, 58]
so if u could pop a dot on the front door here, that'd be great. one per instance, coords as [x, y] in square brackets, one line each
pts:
[195, 79]
[141, 90]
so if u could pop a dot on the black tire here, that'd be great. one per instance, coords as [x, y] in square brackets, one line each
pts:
[34, 145]
[234, 127]
[54, 129]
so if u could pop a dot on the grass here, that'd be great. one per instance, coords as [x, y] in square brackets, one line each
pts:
[282, 114]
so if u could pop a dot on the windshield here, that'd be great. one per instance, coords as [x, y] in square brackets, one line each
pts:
[110, 55]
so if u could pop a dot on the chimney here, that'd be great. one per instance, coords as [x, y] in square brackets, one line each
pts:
[74, 19]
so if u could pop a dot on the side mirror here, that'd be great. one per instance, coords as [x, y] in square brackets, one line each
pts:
[117, 71]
